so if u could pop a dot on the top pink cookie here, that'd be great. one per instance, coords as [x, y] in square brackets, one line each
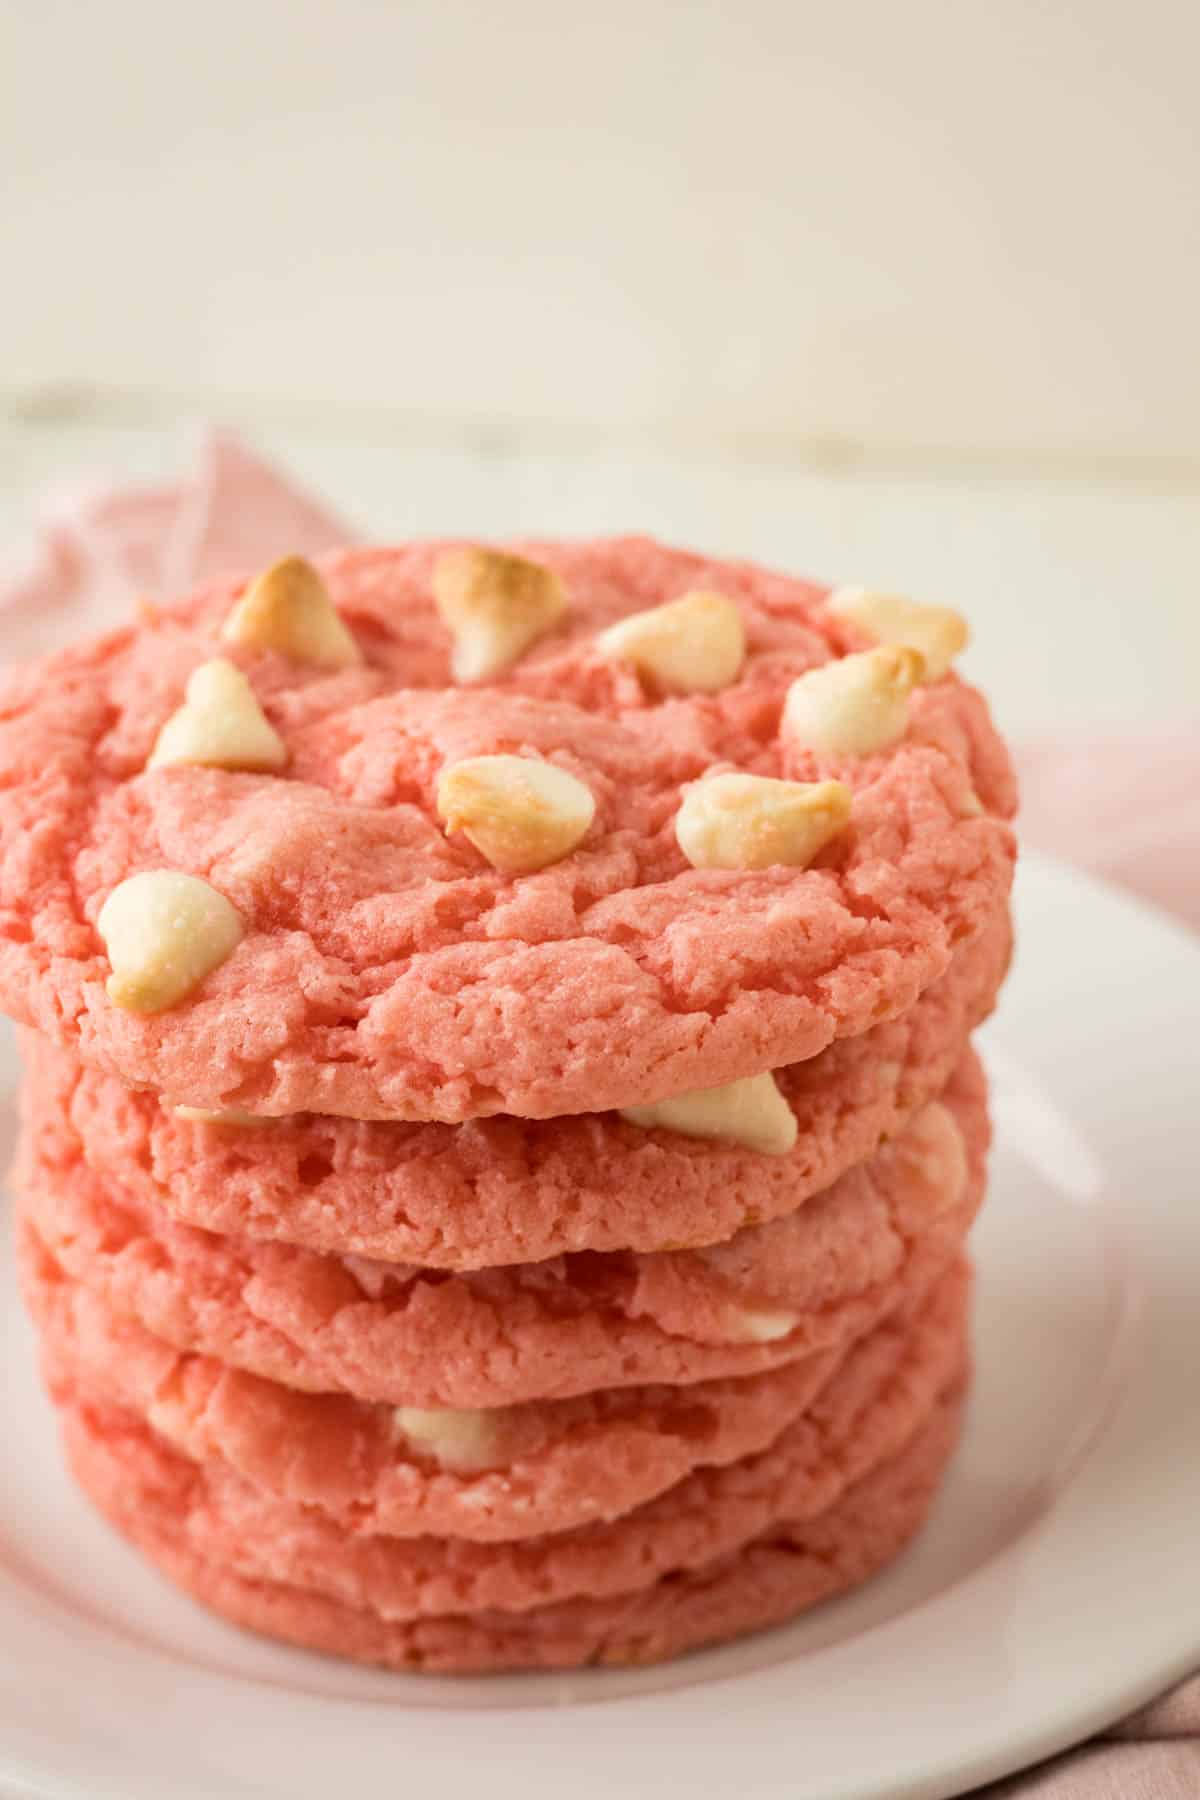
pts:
[369, 935]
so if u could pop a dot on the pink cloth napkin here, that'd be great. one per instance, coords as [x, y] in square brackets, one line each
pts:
[98, 548]
[1129, 810]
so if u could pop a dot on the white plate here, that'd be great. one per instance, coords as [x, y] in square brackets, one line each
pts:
[1057, 1585]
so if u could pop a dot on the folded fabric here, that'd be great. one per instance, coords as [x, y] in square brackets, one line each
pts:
[1125, 807]
[96, 548]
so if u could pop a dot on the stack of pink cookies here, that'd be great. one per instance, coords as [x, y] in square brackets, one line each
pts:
[501, 1128]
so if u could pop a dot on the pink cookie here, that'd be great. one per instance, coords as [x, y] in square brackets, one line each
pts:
[505, 1190]
[885, 1390]
[387, 970]
[807, 1282]
[793, 1565]
[543, 1467]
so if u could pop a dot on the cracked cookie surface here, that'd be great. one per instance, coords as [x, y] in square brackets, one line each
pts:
[809, 1281]
[386, 970]
[506, 1190]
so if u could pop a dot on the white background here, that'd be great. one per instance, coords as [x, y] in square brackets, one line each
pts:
[904, 291]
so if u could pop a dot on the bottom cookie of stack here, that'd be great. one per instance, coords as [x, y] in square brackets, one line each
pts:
[623, 1456]
[838, 1492]
[790, 1568]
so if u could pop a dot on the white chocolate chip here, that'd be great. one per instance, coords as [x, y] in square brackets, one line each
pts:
[751, 1112]
[233, 1115]
[753, 822]
[220, 725]
[855, 705]
[288, 608]
[937, 632]
[457, 1439]
[169, 1417]
[748, 1326]
[496, 605]
[693, 645]
[934, 1151]
[521, 814]
[164, 932]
